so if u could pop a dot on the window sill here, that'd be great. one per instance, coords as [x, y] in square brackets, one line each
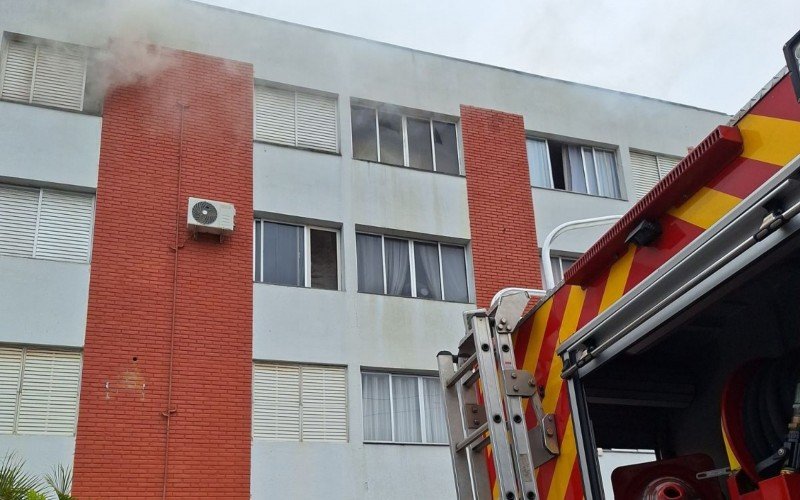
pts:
[408, 168]
[296, 286]
[578, 193]
[433, 301]
[400, 443]
[298, 148]
[97, 114]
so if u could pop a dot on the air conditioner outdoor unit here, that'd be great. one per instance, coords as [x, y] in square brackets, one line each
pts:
[209, 216]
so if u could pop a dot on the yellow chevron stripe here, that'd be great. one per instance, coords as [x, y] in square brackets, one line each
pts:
[534, 348]
[705, 207]
[732, 460]
[569, 323]
[617, 277]
[771, 140]
[566, 460]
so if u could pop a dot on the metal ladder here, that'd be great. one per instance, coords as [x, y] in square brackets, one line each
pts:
[498, 417]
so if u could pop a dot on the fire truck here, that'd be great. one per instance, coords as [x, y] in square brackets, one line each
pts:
[678, 332]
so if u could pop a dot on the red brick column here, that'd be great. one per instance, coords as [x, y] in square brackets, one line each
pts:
[121, 444]
[502, 226]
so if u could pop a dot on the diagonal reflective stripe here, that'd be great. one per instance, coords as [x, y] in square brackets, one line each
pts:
[772, 140]
[617, 277]
[705, 207]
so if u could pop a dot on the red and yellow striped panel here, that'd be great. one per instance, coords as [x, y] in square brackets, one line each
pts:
[771, 133]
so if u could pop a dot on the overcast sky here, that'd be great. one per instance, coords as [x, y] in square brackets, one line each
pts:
[714, 54]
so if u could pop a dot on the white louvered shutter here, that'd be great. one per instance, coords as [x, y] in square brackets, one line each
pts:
[18, 212]
[48, 401]
[10, 370]
[275, 116]
[324, 403]
[316, 122]
[20, 60]
[65, 226]
[645, 173]
[60, 77]
[276, 402]
[665, 164]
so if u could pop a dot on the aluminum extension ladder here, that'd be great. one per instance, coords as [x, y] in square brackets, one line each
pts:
[497, 418]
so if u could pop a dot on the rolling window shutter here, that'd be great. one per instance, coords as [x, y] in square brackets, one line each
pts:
[645, 173]
[10, 369]
[48, 402]
[275, 116]
[18, 212]
[324, 403]
[316, 122]
[60, 77]
[18, 71]
[665, 164]
[276, 402]
[65, 226]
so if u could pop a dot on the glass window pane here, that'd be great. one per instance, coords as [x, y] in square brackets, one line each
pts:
[426, 263]
[607, 179]
[370, 263]
[405, 396]
[390, 127]
[589, 169]
[538, 163]
[555, 264]
[283, 254]
[434, 418]
[574, 175]
[398, 267]
[377, 407]
[257, 252]
[444, 140]
[419, 144]
[454, 269]
[365, 140]
[324, 260]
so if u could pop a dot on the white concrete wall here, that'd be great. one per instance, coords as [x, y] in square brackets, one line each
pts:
[339, 327]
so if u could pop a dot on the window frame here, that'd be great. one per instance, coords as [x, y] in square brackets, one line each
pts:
[560, 257]
[300, 367]
[412, 264]
[307, 228]
[405, 115]
[421, 400]
[583, 149]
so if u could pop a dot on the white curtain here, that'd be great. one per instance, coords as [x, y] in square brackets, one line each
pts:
[405, 395]
[589, 169]
[539, 163]
[426, 260]
[434, 418]
[398, 267]
[377, 407]
[573, 169]
[607, 180]
[283, 254]
[370, 263]
[454, 270]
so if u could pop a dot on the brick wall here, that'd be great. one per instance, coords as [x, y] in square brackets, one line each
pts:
[503, 230]
[121, 437]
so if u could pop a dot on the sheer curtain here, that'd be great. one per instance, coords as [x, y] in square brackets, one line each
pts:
[574, 177]
[434, 418]
[398, 267]
[377, 407]
[405, 395]
[607, 180]
[589, 169]
[539, 163]
[426, 260]
[283, 254]
[454, 270]
[370, 263]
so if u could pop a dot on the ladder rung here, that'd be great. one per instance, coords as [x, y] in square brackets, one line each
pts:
[471, 379]
[473, 436]
[483, 443]
[465, 366]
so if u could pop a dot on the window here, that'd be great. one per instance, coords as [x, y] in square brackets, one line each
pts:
[48, 74]
[45, 223]
[560, 265]
[38, 391]
[648, 169]
[403, 409]
[571, 167]
[299, 402]
[294, 118]
[286, 254]
[390, 137]
[408, 268]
